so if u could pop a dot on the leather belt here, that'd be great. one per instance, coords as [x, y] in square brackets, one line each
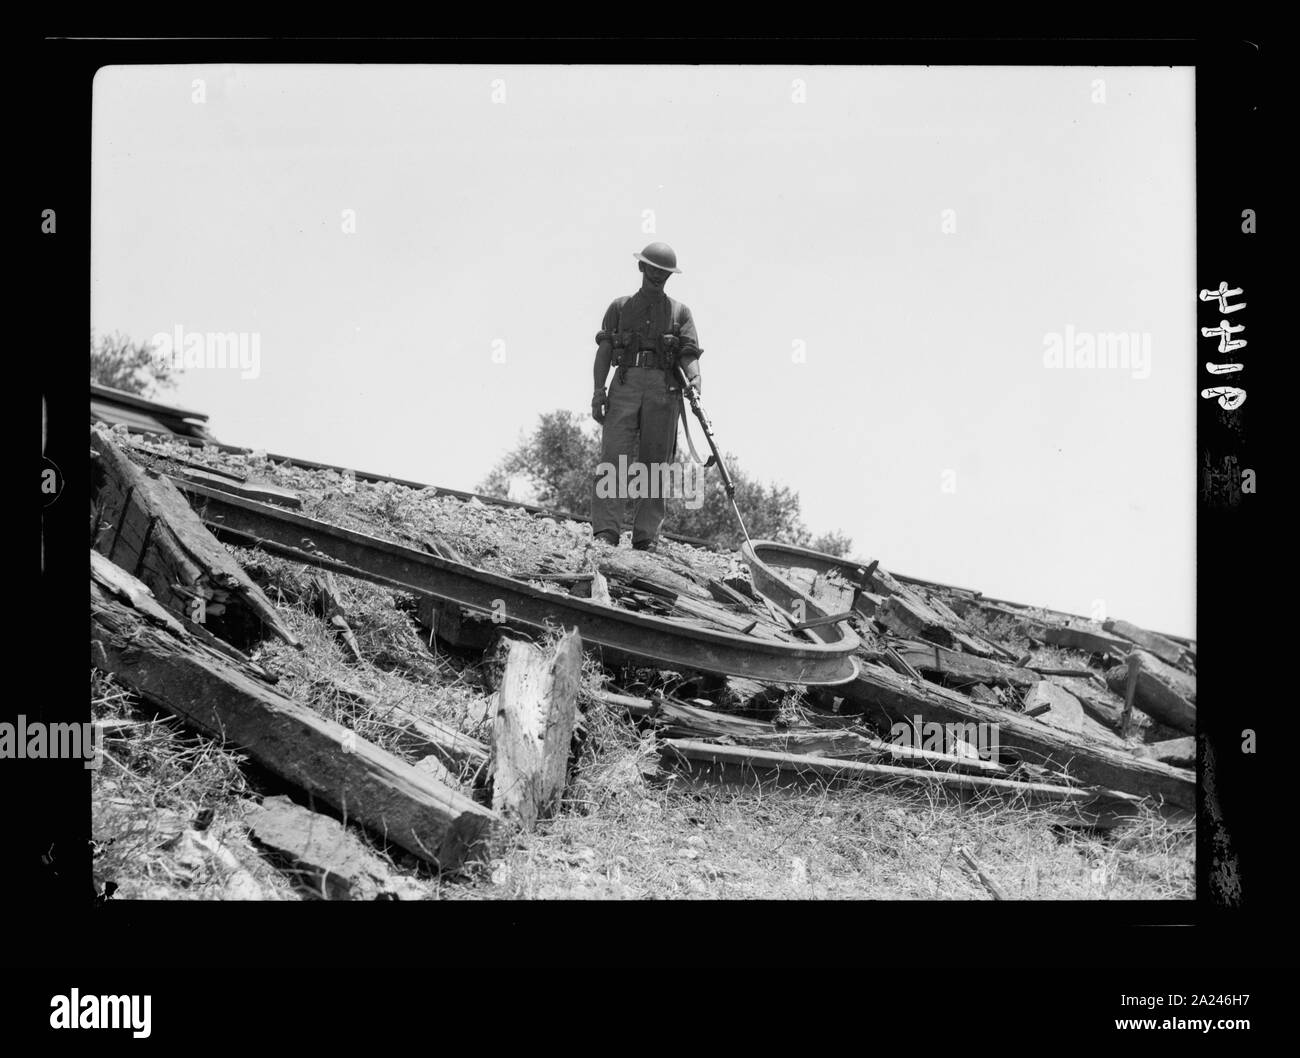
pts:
[647, 358]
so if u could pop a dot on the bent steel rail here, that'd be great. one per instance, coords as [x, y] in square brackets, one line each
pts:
[846, 566]
[768, 553]
[622, 633]
[762, 555]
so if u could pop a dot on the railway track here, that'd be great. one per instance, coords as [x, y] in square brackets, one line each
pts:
[770, 556]
[827, 659]
[778, 555]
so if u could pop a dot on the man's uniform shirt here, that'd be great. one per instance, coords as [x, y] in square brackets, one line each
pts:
[640, 321]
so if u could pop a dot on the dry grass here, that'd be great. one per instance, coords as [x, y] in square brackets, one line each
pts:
[630, 831]
[159, 782]
[624, 831]
[167, 810]
[624, 835]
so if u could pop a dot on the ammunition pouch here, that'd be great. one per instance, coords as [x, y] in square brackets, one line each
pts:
[627, 353]
[633, 349]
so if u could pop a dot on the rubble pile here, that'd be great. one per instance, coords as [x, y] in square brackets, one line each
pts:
[988, 700]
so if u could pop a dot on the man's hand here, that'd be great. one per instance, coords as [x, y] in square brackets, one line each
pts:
[599, 402]
[690, 369]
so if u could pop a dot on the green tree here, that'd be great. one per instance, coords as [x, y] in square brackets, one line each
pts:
[833, 543]
[771, 512]
[117, 361]
[559, 457]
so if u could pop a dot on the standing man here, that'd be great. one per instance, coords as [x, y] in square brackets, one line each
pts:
[644, 337]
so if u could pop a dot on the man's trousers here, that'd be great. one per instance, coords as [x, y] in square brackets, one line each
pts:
[641, 425]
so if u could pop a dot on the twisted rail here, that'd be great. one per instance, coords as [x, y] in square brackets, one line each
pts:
[620, 633]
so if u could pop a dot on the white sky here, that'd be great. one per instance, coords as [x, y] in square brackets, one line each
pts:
[482, 222]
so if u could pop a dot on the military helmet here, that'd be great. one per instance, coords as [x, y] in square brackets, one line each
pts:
[659, 255]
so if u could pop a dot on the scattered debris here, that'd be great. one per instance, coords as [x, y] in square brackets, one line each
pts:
[264, 492]
[1102, 704]
[210, 691]
[1165, 649]
[785, 665]
[880, 692]
[323, 856]
[116, 407]
[905, 617]
[1054, 705]
[1177, 751]
[1084, 639]
[742, 764]
[956, 669]
[1160, 690]
[679, 720]
[145, 526]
